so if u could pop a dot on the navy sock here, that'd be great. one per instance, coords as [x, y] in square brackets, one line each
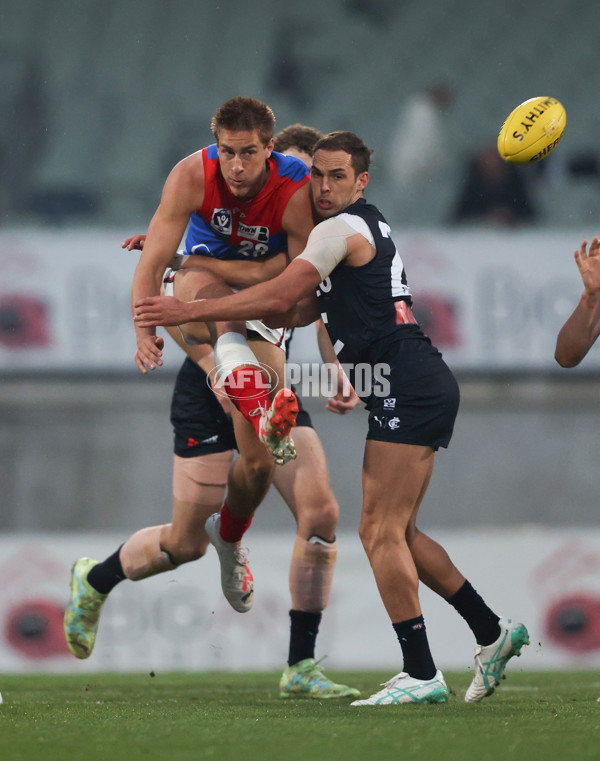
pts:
[412, 636]
[303, 635]
[107, 574]
[482, 621]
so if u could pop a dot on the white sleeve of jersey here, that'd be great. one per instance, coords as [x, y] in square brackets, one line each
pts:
[326, 245]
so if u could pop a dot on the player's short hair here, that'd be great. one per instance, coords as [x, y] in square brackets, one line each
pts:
[350, 143]
[244, 114]
[298, 136]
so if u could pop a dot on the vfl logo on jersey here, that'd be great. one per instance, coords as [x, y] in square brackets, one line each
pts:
[254, 232]
[389, 404]
[221, 221]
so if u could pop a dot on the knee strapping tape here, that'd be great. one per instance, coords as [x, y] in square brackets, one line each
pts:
[141, 555]
[311, 574]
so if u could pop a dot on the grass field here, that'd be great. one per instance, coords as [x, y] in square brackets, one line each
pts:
[235, 717]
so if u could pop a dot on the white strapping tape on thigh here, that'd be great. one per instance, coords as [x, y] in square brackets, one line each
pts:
[202, 480]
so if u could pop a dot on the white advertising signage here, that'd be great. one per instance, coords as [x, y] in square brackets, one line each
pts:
[494, 300]
[181, 621]
[489, 299]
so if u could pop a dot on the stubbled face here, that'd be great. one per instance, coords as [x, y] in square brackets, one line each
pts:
[242, 158]
[334, 185]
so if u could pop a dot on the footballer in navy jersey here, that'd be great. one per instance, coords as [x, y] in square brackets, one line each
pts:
[364, 301]
[368, 315]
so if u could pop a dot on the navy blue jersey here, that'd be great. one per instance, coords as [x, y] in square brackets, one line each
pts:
[367, 309]
[414, 397]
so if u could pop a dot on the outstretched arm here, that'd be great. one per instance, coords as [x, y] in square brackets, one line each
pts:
[581, 330]
[329, 244]
[274, 297]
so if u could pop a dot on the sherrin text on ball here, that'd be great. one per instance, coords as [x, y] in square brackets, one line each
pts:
[532, 130]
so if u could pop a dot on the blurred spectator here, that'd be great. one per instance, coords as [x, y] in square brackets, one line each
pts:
[418, 151]
[22, 129]
[85, 124]
[375, 12]
[290, 71]
[493, 192]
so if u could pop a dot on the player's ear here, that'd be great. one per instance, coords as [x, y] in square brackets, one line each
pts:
[362, 181]
[269, 147]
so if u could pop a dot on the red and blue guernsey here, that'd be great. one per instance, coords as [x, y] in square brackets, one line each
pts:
[228, 228]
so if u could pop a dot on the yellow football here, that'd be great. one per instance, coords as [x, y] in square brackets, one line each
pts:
[532, 130]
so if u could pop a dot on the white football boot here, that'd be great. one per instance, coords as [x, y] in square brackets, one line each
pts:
[403, 688]
[237, 581]
[491, 660]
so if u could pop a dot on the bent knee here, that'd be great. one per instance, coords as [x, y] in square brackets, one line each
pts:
[318, 517]
[374, 535]
[187, 552]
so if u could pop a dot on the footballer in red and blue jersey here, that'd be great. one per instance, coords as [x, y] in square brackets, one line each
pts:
[226, 227]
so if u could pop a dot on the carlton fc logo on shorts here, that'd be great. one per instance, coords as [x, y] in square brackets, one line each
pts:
[221, 221]
[385, 422]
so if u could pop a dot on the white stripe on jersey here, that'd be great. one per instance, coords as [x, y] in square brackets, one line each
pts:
[398, 287]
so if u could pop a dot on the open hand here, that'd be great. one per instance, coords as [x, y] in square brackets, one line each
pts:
[589, 266]
[149, 353]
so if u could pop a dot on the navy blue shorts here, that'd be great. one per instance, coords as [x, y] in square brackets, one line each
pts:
[200, 424]
[423, 398]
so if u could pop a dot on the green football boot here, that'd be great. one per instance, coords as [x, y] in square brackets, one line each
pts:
[307, 680]
[82, 615]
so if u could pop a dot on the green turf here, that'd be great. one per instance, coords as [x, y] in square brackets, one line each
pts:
[239, 717]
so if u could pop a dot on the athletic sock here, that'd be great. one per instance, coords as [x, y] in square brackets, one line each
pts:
[412, 636]
[482, 621]
[303, 635]
[247, 387]
[106, 575]
[233, 527]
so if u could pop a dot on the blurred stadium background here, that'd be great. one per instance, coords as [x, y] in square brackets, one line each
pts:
[100, 99]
